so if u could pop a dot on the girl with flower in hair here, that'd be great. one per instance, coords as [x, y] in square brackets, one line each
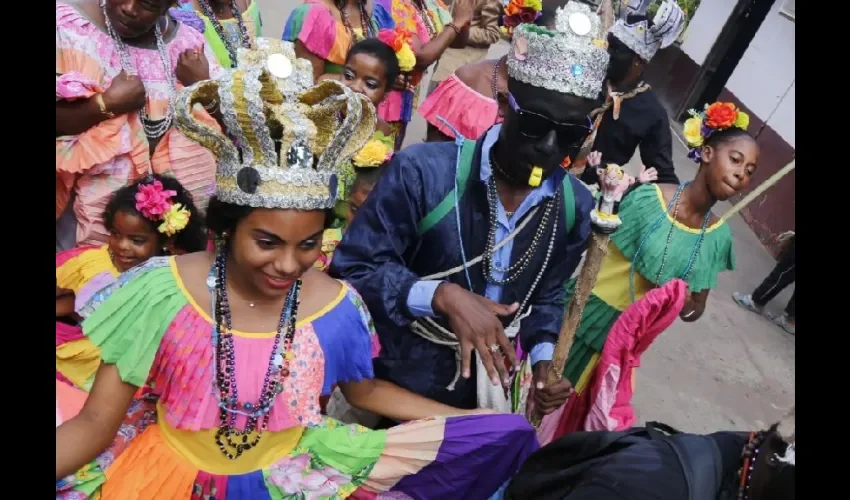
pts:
[154, 216]
[429, 29]
[668, 232]
[368, 164]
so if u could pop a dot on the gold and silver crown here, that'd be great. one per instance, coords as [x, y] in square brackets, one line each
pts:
[284, 139]
[643, 39]
[572, 60]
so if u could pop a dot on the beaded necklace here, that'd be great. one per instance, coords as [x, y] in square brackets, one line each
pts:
[674, 204]
[219, 29]
[154, 129]
[750, 453]
[231, 441]
[368, 32]
[424, 14]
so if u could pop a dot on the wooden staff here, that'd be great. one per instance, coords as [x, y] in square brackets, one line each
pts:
[604, 221]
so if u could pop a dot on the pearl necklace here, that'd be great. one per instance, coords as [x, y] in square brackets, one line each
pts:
[154, 129]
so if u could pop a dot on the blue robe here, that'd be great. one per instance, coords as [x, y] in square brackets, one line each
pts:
[383, 257]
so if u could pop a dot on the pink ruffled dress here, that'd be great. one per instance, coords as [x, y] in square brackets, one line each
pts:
[91, 166]
[465, 110]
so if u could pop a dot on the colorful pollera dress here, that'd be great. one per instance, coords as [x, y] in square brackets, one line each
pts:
[253, 26]
[398, 106]
[150, 327]
[611, 295]
[84, 271]
[93, 165]
[314, 25]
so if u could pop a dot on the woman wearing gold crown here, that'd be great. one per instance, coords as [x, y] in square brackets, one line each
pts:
[237, 345]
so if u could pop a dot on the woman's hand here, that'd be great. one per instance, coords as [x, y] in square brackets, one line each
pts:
[125, 94]
[389, 400]
[192, 67]
[475, 322]
[464, 10]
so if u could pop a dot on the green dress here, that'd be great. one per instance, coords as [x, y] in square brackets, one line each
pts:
[640, 210]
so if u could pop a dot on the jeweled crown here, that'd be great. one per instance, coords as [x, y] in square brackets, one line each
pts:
[572, 60]
[284, 139]
[645, 39]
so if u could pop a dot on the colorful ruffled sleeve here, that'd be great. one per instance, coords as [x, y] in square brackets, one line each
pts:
[639, 211]
[315, 27]
[127, 320]
[348, 340]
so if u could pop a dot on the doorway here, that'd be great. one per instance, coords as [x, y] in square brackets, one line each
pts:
[740, 29]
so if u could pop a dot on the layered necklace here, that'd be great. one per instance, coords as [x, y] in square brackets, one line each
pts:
[674, 204]
[231, 441]
[154, 129]
[514, 271]
[422, 10]
[368, 32]
[231, 45]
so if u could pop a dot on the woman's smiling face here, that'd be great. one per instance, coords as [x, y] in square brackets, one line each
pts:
[366, 74]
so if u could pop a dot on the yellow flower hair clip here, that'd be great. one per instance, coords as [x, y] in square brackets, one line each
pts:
[374, 153]
[174, 220]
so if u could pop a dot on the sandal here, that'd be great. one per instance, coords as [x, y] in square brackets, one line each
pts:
[781, 321]
[746, 301]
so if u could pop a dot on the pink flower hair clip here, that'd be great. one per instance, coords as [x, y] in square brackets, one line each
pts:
[155, 203]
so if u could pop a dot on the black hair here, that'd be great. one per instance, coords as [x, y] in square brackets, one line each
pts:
[380, 51]
[728, 134]
[368, 177]
[223, 217]
[546, 18]
[192, 238]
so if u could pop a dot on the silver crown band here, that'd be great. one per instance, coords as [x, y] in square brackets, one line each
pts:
[572, 60]
[643, 40]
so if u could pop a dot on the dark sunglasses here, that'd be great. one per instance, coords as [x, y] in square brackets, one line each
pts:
[536, 126]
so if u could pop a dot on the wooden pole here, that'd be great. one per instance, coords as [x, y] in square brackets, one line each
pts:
[604, 222]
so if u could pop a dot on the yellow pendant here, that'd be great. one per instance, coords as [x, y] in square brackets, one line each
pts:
[290, 355]
[536, 177]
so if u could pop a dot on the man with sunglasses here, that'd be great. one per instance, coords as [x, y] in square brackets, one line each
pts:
[634, 118]
[502, 205]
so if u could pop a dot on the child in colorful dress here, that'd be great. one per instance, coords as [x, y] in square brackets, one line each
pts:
[368, 164]
[668, 232]
[151, 217]
[238, 410]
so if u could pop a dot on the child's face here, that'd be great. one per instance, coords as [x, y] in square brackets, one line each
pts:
[358, 197]
[365, 74]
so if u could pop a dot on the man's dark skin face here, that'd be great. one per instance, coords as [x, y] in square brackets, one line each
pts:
[624, 67]
[517, 154]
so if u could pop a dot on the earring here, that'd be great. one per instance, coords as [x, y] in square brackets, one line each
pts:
[165, 251]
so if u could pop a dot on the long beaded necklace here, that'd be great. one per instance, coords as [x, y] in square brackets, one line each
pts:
[424, 14]
[674, 204]
[750, 453]
[231, 441]
[219, 29]
[368, 32]
[514, 271]
[154, 129]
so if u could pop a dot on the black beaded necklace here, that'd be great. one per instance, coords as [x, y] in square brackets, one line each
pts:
[219, 29]
[368, 32]
[422, 10]
[231, 441]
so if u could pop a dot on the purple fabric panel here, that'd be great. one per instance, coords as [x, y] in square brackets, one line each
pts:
[93, 286]
[478, 454]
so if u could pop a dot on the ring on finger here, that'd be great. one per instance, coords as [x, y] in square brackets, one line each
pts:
[494, 348]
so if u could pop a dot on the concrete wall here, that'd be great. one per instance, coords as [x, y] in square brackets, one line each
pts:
[705, 27]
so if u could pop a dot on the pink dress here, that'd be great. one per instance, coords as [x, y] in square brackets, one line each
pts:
[606, 404]
[465, 110]
[91, 166]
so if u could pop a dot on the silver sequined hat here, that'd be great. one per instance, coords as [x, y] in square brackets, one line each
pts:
[643, 39]
[572, 60]
[268, 105]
